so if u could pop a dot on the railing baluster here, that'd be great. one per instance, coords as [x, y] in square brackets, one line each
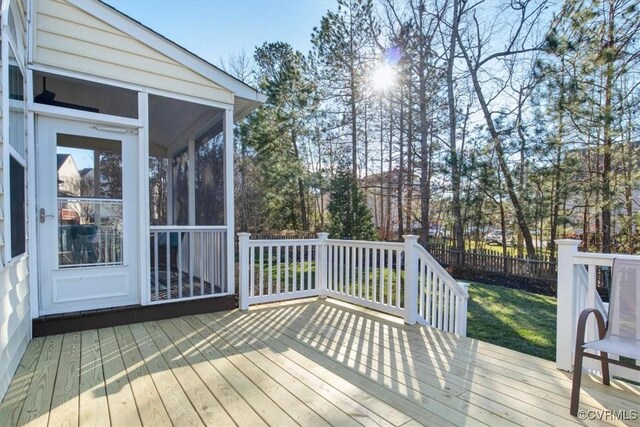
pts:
[301, 273]
[359, 269]
[429, 304]
[374, 279]
[390, 277]
[261, 267]
[421, 286]
[252, 272]
[309, 261]
[270, 272]
[179, 261]
[366, 273]
[353, 254]
[398, 277]
[278, 283]
[155, 266]
[336, 276]
[294, 272]
[445, 310]
[192, 246]
[286, 268]
[168, 262]
[202, 263]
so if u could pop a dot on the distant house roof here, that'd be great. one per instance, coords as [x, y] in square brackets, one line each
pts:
[62, 158]
[85, 171]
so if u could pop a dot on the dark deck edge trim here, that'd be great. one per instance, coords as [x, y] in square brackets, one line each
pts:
[133, 314]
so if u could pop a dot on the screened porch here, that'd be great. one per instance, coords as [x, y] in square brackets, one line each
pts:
[187, 216]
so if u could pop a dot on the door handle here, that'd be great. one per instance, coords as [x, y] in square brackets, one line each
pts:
[44, 216]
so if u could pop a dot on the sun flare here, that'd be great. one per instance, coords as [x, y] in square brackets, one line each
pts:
[383, 77]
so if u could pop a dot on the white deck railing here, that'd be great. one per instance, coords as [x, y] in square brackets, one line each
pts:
[187, 262]
[401, 279]
[577, 279]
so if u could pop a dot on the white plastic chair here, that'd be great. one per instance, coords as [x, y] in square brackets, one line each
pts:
[621, 336]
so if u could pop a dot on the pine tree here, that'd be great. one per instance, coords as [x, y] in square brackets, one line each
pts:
[348, 210]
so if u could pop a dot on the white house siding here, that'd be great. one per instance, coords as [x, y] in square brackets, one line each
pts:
[69, 38]
[15, 319]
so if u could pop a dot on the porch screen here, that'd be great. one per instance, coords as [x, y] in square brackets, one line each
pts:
[90, 204]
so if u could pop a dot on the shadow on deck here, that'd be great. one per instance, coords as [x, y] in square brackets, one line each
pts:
[309, 362]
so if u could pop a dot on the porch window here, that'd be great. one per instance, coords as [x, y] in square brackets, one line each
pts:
[65, 92]
[18, 208]
[209, 181]
[17, 161]
[90, 203]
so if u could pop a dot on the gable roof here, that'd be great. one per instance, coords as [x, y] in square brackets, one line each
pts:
[249, 98]
[61, 159]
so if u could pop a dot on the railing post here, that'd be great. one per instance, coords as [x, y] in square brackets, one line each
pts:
[321, 265]
[566, 303]
[410, 279]
[243, 271]
[461, 320]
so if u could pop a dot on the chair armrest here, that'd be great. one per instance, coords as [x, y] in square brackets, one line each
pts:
[582, 324]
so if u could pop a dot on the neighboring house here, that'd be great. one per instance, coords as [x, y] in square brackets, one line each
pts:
[80, 75]
[68, 176]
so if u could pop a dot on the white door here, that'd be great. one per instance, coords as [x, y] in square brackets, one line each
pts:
[87, 199]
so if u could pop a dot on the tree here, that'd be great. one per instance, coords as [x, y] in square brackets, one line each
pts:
[600, 39]
[473, 46]
[343, 46]
[278, 131]
[350, 218]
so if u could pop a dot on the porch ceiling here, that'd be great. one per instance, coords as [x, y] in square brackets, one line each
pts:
[292, 363]
[172, 123]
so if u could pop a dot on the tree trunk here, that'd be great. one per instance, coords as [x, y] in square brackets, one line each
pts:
[608, 135]
[504, 167]
[458, 233]
[400, 176]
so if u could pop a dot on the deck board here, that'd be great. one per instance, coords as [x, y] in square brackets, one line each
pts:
[306, 362]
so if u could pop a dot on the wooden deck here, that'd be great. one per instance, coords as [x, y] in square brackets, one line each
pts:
[305, 362]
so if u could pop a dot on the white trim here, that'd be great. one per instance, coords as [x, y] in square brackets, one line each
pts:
[170, 301]
[170, 179]
[31, 30]
[32, 241]
[125, 24]
[129, 86]
[84, 116]
[18, 157]
[80, 300]
[4, 48]
[227, 130]
[171, 228]
[191, 173]
[144, 273]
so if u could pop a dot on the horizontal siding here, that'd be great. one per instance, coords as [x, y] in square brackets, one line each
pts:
[71, 39]
[14, 326]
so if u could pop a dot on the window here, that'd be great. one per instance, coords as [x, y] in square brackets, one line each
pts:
[18, 208]
[17, 200]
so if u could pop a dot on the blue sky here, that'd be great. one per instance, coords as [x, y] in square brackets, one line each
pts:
[215, 29]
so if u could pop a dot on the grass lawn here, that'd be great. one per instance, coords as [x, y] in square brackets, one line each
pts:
[511, 318]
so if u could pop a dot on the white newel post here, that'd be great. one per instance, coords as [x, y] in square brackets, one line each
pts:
[243, 271]
[461, 320]
[321, 265]
[410, 279]
[566, 319]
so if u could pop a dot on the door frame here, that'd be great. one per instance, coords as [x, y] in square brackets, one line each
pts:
[107, 123]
